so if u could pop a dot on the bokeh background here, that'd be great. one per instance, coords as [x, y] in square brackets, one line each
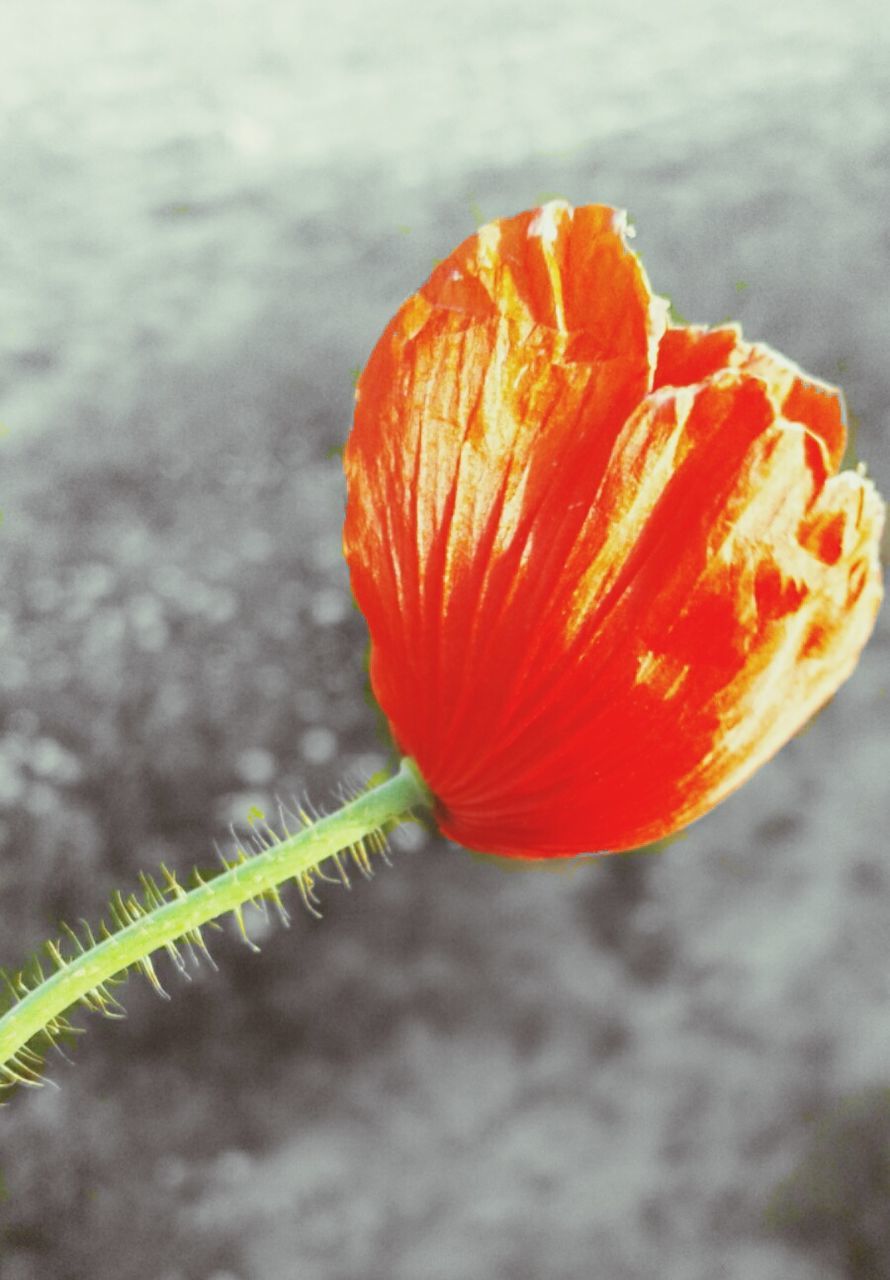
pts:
[674, 1063]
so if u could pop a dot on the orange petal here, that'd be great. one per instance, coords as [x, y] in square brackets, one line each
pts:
[691, 353]
[746, 591]
[477, 408]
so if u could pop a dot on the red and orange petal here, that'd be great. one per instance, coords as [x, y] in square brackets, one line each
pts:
[607, 566]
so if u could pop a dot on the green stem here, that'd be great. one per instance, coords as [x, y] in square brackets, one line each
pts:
[297, 856]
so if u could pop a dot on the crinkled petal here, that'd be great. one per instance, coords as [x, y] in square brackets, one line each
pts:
[691, 353]
[484, 415]
[735, 600]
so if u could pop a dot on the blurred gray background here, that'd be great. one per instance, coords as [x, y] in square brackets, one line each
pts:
[671, 1064]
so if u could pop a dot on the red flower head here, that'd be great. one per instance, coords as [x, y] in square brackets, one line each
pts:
[607, 564]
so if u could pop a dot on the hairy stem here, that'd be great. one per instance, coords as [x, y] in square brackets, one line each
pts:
[80, 978]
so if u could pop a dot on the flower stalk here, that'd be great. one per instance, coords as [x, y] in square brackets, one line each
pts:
[169, 917]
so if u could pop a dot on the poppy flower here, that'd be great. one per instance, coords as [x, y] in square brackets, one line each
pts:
[607, 563]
